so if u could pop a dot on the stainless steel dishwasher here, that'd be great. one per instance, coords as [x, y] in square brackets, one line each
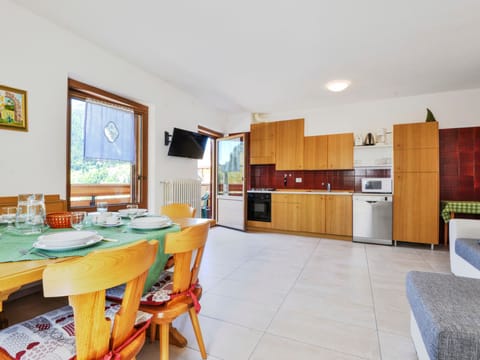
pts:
[372, 218]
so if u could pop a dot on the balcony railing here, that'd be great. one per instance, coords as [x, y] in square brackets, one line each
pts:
[87, 195]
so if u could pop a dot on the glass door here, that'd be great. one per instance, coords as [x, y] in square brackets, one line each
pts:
[230, 186]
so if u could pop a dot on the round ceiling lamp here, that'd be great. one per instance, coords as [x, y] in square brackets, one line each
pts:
[338, 85]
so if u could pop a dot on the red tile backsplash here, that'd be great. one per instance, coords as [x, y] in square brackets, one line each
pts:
[460, 164]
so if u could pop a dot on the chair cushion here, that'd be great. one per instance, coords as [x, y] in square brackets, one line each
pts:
[50, 336]
[158, 294]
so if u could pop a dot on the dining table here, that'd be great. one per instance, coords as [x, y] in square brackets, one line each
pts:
[20, 266]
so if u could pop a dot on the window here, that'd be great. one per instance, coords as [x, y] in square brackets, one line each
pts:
[95, 173]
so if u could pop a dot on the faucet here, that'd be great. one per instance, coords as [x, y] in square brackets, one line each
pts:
[329, 187]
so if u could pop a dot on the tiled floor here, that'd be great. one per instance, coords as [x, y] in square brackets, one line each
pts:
[279, 297]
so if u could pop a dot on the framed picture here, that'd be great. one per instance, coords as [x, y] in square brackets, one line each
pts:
[13, 109]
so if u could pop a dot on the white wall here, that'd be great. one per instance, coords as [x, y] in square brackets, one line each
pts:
[451, 109]
[39, 57]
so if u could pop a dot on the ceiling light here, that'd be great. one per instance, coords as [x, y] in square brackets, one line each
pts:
[338, 85]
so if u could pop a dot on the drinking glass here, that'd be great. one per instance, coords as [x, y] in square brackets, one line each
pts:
[30, 217]
[78, 219]
[132, 211]
[9, 213]
[102, 206]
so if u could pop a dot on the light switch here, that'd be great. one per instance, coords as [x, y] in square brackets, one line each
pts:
[298, 180]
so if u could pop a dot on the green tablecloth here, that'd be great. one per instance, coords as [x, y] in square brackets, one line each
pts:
[462, 207]
[11, 244]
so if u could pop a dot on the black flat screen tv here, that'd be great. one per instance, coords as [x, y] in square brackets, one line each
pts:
[187, 144]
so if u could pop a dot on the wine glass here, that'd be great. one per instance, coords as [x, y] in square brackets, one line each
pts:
[132, 211]
[78, 219]
[102, 206]
[9, 213]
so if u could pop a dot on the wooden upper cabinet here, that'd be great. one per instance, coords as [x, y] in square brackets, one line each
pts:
[315, 152]
[328, 152]
[416, 135]
[262, 143]
[340, 151]
[289, 145]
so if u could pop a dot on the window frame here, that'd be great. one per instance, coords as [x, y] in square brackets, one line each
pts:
[139, 188]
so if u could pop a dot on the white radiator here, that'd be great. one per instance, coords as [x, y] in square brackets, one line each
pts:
[187, 191]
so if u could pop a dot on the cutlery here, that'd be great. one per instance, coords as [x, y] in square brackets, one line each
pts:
[35, 252]
[109, 240]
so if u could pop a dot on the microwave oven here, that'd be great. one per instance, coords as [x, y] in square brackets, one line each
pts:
[377, 185]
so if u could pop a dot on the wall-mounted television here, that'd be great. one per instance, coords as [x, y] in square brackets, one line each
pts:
[187, 144]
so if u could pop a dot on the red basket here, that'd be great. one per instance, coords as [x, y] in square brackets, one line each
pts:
[59, 220]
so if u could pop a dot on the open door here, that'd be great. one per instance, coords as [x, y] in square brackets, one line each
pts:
[230, 187]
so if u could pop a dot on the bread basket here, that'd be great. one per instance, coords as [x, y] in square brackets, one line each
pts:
[59, 220]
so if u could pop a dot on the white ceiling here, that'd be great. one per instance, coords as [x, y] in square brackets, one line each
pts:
[277, 55]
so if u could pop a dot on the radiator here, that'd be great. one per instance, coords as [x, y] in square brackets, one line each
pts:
[186, 191]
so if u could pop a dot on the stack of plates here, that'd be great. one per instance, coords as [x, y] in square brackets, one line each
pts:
[67, 240]
[139, 212]
[151, 223]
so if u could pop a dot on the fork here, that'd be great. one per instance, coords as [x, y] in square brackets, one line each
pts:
[34, 251]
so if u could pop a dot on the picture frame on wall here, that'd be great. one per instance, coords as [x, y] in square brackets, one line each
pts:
[13, 109]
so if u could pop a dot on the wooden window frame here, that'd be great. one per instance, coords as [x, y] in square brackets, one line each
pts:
[79, 90]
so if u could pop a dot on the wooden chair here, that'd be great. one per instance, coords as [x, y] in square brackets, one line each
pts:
[185, 245]
[84, 281]
[178, 210]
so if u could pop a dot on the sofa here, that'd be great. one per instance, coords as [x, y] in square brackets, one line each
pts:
[445, 308]
[464, 249]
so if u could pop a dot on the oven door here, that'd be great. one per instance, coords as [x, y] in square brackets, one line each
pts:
[259, 207]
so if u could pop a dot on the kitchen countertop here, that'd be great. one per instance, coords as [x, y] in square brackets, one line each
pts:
[304, 191]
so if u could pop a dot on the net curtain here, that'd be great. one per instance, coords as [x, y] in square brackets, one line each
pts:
[109, 133]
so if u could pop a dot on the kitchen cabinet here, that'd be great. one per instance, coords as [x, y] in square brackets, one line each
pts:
[263, 143]
[338, 215]
[340, 151]
[289, 145]
[315, 152]
[416, 203]
[312, 213]
[328, 152]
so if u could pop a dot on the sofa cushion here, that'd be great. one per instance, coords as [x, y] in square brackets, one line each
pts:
[447, 311]
[468, 249]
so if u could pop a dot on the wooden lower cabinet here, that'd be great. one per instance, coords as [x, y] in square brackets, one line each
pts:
[338, 215]
[312, 213]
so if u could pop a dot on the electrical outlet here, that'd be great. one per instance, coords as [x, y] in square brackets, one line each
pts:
[298, 180]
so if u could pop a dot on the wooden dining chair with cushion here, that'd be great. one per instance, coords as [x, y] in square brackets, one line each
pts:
[84, 329]
[178, 292]
[178, 210]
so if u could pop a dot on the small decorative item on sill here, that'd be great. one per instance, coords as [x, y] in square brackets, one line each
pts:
[59, 220]
[430, 116]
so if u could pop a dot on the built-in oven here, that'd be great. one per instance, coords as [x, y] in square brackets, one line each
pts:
[259, 206]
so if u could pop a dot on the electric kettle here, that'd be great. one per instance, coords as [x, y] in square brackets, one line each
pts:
[369, 139]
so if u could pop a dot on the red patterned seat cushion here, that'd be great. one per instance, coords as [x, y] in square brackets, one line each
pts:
[158, 294]
[50, 336]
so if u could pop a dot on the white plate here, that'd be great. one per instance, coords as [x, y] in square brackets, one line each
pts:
[120, 223]
[87, 242]
[150, 227]
[67, 238]
[139, 212]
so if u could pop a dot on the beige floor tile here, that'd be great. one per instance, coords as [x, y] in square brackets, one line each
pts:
[277, 348]
[355, 294]
[332, 308]
[395, 347]
[239, 312]
[333, 335]
[222, 339]
[397, 322]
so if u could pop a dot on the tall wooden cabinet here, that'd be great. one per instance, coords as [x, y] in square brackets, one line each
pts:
[416, 197]
[289, 145]
[263, 143]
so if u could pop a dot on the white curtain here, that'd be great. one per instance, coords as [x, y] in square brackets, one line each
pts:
[109, 133]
